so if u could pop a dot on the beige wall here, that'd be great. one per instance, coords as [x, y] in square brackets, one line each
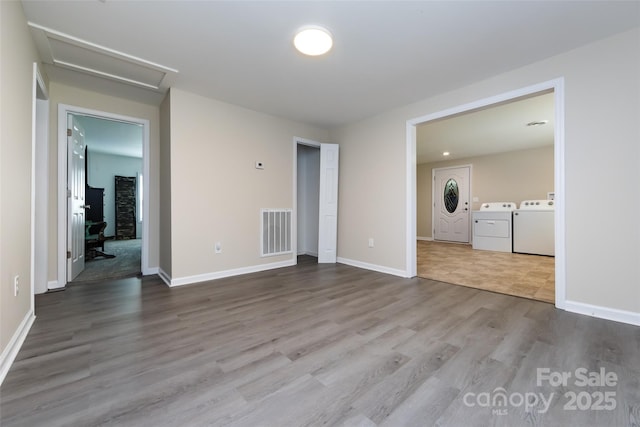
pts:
[602, 155]
[16, 89]
[63, 94]
[216, 192]
[506, 177]
[165, 186]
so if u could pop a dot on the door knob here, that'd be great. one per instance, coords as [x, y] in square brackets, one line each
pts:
[86, 206]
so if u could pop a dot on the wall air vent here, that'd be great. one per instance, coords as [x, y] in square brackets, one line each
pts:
[276, 231]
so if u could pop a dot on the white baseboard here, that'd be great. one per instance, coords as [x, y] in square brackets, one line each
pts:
[180, 281]
[11, 351]
[428, 239]
[373, 267]
[54, 284]
[164, 276]
[314, 254]
[150, 271]
[603, 312]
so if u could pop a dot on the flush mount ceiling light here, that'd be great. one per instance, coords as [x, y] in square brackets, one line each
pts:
[538, 123]
[446, 153]
[313, 40]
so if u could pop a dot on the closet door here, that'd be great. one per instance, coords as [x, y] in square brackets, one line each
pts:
[125, 207]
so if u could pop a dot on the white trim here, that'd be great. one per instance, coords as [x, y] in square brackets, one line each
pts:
[38, 145]
[53, 285]
[426, 239]
[603, 312]
[433, 197]
[63, 110]
[152, 271]
[559, 195]
[62, 196]
[308, 142]
[99, 73]
[294, 213]
[310, 253]
[187, 280]
[13, 347]
[164, 276]
[411, 231]
[557, 85]
[99, 48]
[373, 267]
[294, 204]
[42, 36]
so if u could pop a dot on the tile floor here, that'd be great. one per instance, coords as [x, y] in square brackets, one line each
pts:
[528, 276]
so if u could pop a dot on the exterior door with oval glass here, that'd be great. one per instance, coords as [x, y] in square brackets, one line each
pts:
[451, 204]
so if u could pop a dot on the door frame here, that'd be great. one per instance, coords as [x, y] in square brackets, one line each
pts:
[63, 110]
[557, 86]
[433, 199]
[294, 220]
[39, 176]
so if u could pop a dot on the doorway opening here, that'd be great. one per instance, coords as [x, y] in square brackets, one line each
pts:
[113, 190]
[553, 186]
[315, 200]
[308, 197]
[114, 196]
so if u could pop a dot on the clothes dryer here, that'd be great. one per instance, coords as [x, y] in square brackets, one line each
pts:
[492, 227]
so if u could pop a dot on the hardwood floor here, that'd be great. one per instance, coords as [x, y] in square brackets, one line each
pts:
[527, 276]
[306, 346]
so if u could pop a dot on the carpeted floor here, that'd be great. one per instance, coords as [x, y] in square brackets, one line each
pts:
[125, 264]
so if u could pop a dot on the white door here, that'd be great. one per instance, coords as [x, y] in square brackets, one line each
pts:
[76, 177]
[451, 204]
[328, 212]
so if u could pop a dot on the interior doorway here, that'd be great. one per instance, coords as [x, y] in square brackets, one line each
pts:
[112, 155]
[315, 196]
[114, 197]
[308, 197]
[554, 87]
[511, 147]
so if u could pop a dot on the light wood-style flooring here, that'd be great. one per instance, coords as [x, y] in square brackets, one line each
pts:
[527, 276]
[309, 345]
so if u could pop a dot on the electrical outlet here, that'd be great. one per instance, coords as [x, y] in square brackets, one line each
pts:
[218, 247]
[370, 242]
[16, 285]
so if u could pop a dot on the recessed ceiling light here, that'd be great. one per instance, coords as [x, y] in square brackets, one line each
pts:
[538, 123]
[446, 153]
[313, 40]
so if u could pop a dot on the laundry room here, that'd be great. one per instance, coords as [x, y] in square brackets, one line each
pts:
[485, 190]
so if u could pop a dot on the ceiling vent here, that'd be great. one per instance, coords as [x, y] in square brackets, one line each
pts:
[65, 51]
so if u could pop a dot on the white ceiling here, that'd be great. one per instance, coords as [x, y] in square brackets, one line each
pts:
[386, 53]
[111, 136]
[491, 130]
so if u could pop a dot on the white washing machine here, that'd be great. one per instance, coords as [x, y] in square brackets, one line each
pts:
[492, 227]
[533, 228]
